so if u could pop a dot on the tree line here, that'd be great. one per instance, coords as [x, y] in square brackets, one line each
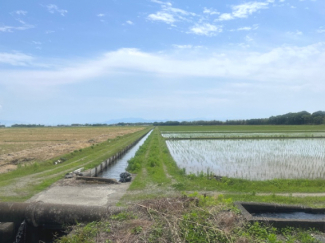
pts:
[298, 118]
[27, 125]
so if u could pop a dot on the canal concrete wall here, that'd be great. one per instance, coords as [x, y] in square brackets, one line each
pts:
[27, 221]
[247, 208]
[111, 160]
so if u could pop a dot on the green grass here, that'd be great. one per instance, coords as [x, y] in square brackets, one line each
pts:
[46, 173]
[317, 202]
[245, 128]
[149, 163]
[201, 182]
[85, 234]
[198, 218]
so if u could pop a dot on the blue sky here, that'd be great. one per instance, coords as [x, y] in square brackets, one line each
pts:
[67, 62]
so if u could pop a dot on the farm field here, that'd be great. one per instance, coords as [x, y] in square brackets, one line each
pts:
[252, 159]
[29, 145]
[252, 152]
[31, 178]
[239, 135]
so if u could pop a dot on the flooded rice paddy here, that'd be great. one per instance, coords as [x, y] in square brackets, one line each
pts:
[234, 135]
[253, 159]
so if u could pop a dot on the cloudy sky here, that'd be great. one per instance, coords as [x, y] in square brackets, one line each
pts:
[92, 61]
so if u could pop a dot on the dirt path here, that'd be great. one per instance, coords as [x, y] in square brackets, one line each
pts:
[173, 181]
[19, 187]
[72, 191]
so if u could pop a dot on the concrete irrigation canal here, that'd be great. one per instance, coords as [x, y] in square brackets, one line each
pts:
[104, 193]
[282, 216]
[68, 201]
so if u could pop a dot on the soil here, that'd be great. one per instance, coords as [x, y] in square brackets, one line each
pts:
[17, 147]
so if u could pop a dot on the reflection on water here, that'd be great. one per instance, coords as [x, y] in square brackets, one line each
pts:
[291, 215]
[113, 171]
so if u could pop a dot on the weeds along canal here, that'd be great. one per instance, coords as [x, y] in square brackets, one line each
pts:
[114, 170]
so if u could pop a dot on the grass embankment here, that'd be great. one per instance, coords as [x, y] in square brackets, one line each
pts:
[26, 181]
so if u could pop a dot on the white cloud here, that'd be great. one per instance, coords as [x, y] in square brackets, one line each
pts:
[186, 47]
[244, 10]
[244, 45]
[283, 65]
[210, 11]
[100, 15]
[20, 12]
[23, 26]
[295, 33]
[204, 24]
[162, 16]
[226, 16]
[129, 22]
[321, 30]
[248, 38]
[15, 59]
[54, 9]
[183, 46]
[205, 29]
[246, 28]
[169, 14]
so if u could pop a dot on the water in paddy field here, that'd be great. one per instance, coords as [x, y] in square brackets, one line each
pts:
[233, 135]
[113, 171]
[291, 215]
[252, 159]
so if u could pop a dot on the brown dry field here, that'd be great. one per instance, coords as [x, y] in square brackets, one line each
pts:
[26, 145]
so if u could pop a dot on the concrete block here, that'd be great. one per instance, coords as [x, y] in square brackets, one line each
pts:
[7, 232]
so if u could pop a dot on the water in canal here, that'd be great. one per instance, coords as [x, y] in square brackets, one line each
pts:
[291, 215]
[113, 171]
